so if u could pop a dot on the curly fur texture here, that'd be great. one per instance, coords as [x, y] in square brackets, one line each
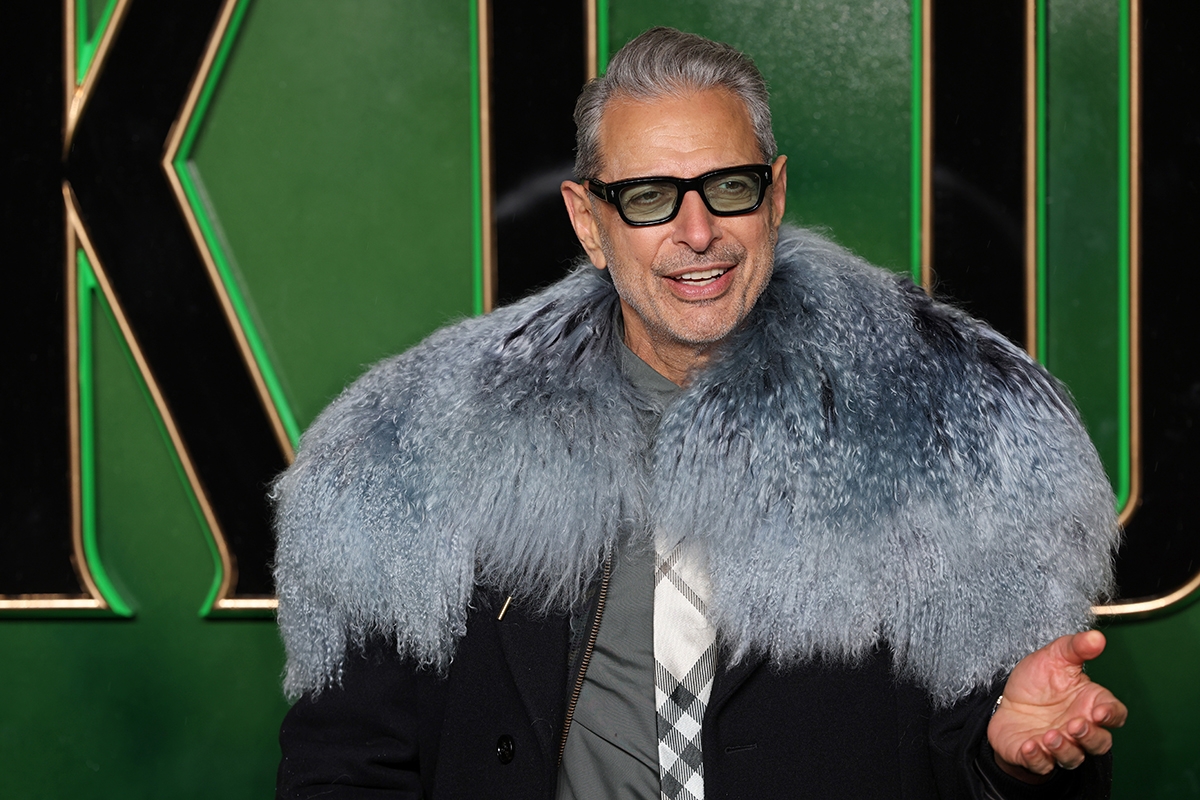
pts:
[858, 463]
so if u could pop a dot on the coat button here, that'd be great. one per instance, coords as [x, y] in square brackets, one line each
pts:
[505, 749]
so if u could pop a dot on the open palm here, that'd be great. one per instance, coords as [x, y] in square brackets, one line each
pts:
[1052, 713]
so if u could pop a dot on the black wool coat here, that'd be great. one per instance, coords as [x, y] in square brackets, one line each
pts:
[491, 727]
[912, 496]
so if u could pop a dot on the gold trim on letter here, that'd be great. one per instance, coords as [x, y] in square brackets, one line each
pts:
[1145, 607]
[487, 201]
[1138, 607]
[94, 600]
[174, 140]
[591, 38]
[77, 94]
[228, 565]
[927, 145]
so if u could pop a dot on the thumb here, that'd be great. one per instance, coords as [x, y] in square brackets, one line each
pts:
[1081, 647]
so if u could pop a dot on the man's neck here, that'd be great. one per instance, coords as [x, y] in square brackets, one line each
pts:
[675, 361]
[674, 367]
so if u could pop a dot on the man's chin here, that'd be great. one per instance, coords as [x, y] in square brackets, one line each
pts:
[702, 336]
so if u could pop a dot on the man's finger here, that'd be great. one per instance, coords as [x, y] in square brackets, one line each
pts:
[1082, 647]
[1110, 713]
[1065, 751]
[1092, 739]
[1034, 757]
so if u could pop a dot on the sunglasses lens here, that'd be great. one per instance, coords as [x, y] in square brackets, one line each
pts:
[648, 202]
[733, 191]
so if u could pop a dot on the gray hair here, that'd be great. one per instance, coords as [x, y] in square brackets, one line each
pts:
[664, 62]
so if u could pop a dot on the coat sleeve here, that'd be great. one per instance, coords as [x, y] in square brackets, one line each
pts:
[372, 736]
[964, 765]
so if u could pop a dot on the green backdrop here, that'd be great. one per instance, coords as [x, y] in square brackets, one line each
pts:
[338, 165]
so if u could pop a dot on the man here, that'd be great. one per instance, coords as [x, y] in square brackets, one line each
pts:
[730, 515]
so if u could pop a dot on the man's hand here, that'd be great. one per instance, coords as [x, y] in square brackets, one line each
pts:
[1052, 713]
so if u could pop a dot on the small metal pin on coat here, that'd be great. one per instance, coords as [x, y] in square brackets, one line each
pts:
[507, 603]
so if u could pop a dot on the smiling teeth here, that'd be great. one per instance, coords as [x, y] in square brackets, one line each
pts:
[702, 276]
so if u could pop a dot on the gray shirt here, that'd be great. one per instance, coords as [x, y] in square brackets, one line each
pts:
[612, 747]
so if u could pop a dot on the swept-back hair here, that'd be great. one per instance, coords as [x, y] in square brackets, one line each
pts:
[664, 62]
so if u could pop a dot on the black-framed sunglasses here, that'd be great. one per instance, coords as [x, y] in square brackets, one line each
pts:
[653, 201]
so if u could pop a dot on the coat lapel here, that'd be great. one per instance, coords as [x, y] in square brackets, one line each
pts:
[729, 678]
[535, 650]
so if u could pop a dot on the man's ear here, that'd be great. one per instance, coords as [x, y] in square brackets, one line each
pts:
[778, 190]
[579, 208]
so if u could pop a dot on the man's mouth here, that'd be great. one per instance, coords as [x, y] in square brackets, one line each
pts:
[700, 277]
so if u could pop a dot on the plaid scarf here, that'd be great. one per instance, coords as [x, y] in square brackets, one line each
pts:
[684, 656]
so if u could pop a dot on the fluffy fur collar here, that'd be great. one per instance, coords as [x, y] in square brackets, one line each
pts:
[859, 463]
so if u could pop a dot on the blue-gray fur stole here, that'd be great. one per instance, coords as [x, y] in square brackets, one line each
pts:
[858, 464]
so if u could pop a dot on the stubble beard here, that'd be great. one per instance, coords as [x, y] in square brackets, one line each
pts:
[654, 321]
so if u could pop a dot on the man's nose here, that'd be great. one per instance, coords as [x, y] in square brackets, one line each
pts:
[695, 226]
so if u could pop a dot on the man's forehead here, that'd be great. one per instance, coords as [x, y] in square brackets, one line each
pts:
[708, 127]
